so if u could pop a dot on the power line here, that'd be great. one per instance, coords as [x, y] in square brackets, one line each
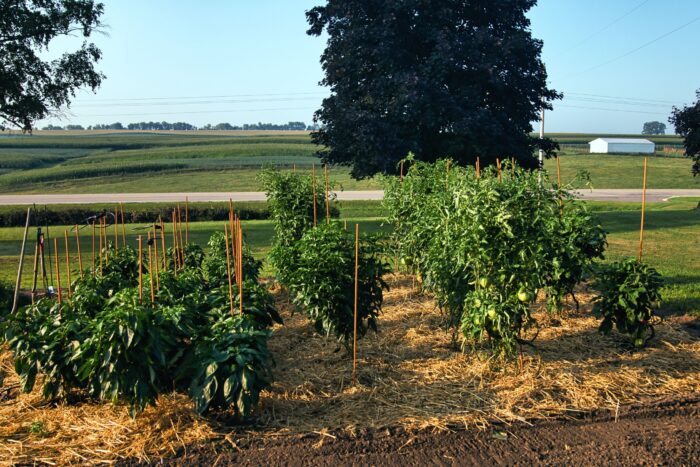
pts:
[647, 44]
[206, 102]
[196, 112]
[609, 110]
[566, 93]
[606, 27]
[229, 96]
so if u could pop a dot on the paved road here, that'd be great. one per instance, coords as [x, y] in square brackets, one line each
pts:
[596, 195]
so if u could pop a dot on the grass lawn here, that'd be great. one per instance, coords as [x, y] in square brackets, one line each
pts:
[672, 242]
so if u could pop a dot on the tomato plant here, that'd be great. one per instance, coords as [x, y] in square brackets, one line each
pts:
[486, 244]
[629, 292]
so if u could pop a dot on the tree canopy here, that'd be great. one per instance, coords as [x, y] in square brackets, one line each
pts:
[457, 78]
[31, 88]
[687, 123]
[654, 128]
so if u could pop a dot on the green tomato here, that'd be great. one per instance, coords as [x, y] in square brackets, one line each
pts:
[523, 296]
[491, 314]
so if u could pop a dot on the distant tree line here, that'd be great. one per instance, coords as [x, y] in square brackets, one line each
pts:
[183, 126]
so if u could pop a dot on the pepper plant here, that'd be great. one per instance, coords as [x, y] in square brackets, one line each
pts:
[629, 292]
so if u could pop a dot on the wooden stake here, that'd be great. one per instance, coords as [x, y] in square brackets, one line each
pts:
[150, 268]
[180, 242]
[313, 176]
[162, 243]
[644, 202]
[67, 263]
[512, 167]
[228, 265]
[240, 266]
[58, 270]
[354, 333]
[156, 259]
[328, 202]
[101, 268]
[401, 171]
[478, 167]
[140, 269]
[498, 166]
[121, 208]
[36, 270]
[116, 229]
[187, 221]
[558, 173]
[176, 255]
[18, 283]
[106, 243]
[93, 248]
[80, 256]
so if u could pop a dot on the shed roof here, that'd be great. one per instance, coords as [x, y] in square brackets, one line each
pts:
[625, 140]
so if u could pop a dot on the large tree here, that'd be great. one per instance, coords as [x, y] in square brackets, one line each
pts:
[687, 123]
[654, 128]
[31, 87]
[457, 78]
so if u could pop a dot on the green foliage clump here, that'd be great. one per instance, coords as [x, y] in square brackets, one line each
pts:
[629, 292]
[486, 243]
[108, 342]
[290, 198]
[323, 283]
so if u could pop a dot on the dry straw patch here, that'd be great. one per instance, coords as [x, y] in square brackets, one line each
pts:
[409, 375]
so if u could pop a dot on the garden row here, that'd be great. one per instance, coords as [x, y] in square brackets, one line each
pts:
[484, 243]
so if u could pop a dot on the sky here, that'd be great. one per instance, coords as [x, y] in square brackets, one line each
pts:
[619, 63]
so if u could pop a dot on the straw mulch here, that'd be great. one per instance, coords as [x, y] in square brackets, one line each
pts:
[409, 375]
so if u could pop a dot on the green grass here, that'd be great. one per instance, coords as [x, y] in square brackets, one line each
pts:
[176, 162]
[625, 171]
[672, 242]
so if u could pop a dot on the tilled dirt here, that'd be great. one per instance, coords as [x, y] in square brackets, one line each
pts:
[664, 433]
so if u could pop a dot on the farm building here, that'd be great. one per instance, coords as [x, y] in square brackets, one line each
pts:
[622, 145]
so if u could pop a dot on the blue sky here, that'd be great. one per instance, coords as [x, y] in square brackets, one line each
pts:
[241, 62]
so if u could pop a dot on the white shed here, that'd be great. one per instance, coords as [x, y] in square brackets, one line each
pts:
[622, 146]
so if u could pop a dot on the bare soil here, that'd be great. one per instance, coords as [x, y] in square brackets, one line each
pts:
[666, 433]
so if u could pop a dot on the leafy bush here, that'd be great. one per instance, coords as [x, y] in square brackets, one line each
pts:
[485, 245]
[44, 339]
[629, 291]
[104, 340]
[6, 297]
[323, 283]
[291, 205]
[214, 265]
[230, 367]
[124, 355]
